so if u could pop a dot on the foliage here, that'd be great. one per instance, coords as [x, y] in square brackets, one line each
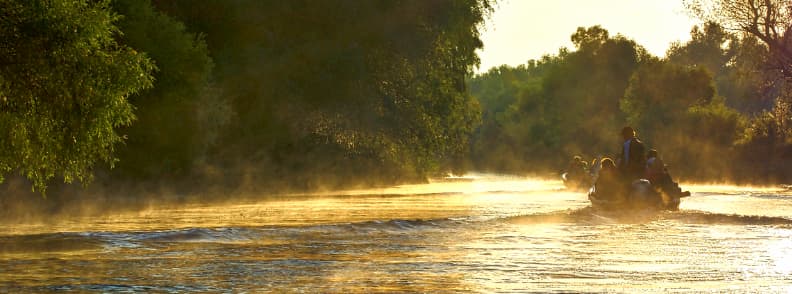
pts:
[180, 117]
[314, 93]
[766, 48]
[735, 63]
[358, 89]
[64, 83]
[676, 109]
[768, 20]
[660, 93]
[535, 115]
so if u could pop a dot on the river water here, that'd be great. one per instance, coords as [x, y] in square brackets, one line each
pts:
[485, 233]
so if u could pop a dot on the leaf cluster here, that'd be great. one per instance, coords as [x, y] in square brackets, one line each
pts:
[64, 84]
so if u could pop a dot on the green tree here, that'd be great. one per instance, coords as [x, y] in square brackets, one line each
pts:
[64, 83]
[539, 114]
[357, 90]
[735, 63]
[497, 91]
[710, 47]
[677, 111]
[769, 22]
[659, 93]
[181, 116]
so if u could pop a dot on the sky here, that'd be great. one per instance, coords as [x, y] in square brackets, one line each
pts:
[520, 30]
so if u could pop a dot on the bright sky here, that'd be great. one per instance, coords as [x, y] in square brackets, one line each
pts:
[520, 30]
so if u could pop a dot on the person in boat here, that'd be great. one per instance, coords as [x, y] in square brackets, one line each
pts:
[632, 159]
[658, 176]
[655, 168]
[609, 184]
[577, 168]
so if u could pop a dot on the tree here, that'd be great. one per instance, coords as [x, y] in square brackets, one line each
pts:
[538, 114]
[710, 47]
[676, 110]
[771, 22]
[768, 20]
[736, 65]
[659, 94]
[370, 90]
[181, 116]
[64, 84]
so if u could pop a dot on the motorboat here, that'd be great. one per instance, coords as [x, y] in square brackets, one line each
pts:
[641, 195]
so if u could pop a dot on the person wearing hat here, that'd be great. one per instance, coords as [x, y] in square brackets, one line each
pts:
[632, 159]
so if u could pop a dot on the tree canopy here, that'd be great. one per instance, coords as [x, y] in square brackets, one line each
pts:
[313, 94]
[301, 93]
[766, 43]
[372, 89]
[180, 117]
[64, 84]
[695, 105]
[767, 20]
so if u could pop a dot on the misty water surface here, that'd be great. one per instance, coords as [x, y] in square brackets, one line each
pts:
[482, 234]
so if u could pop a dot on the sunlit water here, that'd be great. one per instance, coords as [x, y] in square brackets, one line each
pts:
[491, 234]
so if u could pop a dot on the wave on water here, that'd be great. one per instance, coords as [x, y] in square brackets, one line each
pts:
[565, 216]
[772, 196]
[56, 242]
[588, 215]
[82, 241]
[703, 217]
[77, 241]
[91, 241]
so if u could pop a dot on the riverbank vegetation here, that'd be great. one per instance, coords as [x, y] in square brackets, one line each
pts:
[716, 107]
[270, 95]
[709, 106]
[132, 97]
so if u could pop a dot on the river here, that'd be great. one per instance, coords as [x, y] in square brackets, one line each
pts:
[485, 233]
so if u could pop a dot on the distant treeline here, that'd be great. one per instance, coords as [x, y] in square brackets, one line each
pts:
[304, 94]
[712, 107]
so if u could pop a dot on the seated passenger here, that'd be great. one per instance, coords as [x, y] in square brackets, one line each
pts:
[658, 175]
[577, 173]
[609, 184]
[655, 168]
[577, 166]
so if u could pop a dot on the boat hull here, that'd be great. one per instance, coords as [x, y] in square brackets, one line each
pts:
[640, 196]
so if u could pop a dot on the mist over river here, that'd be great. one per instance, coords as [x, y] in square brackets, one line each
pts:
[484, 233]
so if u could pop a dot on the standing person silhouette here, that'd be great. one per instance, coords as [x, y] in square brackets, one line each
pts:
[632, 159]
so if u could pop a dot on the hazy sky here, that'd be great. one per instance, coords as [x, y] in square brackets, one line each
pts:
[520, 30]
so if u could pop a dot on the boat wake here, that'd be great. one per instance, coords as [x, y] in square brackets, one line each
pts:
[588, 215]
[703, 217]
[102, 241]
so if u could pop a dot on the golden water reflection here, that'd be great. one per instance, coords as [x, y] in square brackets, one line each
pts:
[486, 233]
